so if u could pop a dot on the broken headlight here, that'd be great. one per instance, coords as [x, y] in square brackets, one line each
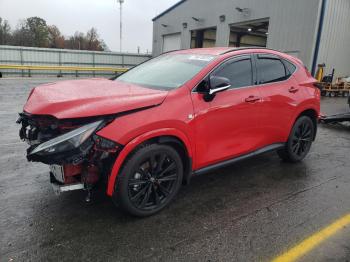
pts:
[68, 141]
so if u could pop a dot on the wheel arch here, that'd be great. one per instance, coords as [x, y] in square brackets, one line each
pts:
[313, 114]
[173, 137]
[181, 148]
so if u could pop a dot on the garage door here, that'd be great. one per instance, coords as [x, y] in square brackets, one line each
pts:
[171, 42]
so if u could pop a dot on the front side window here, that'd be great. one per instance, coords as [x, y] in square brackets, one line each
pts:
[271, 69]
[167, 71]
[238, 71]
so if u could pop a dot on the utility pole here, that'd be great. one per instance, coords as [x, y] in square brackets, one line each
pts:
[121, 23]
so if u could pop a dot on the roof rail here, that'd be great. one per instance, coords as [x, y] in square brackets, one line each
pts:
[247, 48]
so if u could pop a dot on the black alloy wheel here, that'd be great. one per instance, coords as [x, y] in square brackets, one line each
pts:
[149, 180]
[153, 181]
[300, 140]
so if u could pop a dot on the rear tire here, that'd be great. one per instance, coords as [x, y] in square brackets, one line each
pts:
[299, 141]
[149, 180]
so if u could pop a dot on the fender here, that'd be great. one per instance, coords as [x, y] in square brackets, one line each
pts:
[128, 148]
[307, 105]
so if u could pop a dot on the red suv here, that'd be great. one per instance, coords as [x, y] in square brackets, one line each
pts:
[181, 114]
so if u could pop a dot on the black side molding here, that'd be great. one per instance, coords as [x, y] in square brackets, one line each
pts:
[225, 163]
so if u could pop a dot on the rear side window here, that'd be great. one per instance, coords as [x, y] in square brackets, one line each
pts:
[290, 67]
[238, 71]
[271, 69]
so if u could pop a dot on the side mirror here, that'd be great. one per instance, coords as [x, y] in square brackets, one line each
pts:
[218, 84]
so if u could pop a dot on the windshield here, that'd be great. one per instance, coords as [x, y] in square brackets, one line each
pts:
[166, 72]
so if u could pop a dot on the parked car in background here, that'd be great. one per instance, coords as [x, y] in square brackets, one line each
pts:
[180, 114]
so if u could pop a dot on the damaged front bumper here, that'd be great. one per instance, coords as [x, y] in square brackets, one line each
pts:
[78, 141]
[57, 179]
[78, 158]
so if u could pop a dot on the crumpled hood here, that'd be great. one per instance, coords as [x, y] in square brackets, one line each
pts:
[90, 97]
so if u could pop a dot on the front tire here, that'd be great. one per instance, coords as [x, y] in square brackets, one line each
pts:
[299, 141]
[149, 180]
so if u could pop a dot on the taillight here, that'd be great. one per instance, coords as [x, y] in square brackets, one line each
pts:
[318, 89]
[307, 72]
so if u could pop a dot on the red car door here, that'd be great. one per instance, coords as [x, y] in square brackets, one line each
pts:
[229, 125]
[280, 96]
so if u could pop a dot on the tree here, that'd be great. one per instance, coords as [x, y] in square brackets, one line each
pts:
[21, 36]
[92, 41]
[56, 40]
[77, 41]
[104, 46]
[38, 31]
[5, 32]
[34, 31]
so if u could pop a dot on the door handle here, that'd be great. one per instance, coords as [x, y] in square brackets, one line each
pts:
[293, 89]
[252, 99]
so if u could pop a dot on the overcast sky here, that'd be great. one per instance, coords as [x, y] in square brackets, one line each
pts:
[81, 15]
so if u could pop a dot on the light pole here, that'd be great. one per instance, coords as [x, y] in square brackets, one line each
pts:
[121, 23]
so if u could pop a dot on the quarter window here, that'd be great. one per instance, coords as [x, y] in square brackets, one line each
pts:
[290, 67]
[271, 69]
[239, 72]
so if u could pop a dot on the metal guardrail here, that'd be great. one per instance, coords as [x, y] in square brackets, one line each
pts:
[23, 61]
[63, 68]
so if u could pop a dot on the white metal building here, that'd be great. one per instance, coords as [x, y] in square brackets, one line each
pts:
[316, 31]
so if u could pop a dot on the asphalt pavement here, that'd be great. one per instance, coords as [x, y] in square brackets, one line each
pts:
[254, 210]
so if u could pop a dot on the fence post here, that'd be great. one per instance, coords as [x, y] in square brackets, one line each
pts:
[60, 63]
[93, 63]
[21, 55]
